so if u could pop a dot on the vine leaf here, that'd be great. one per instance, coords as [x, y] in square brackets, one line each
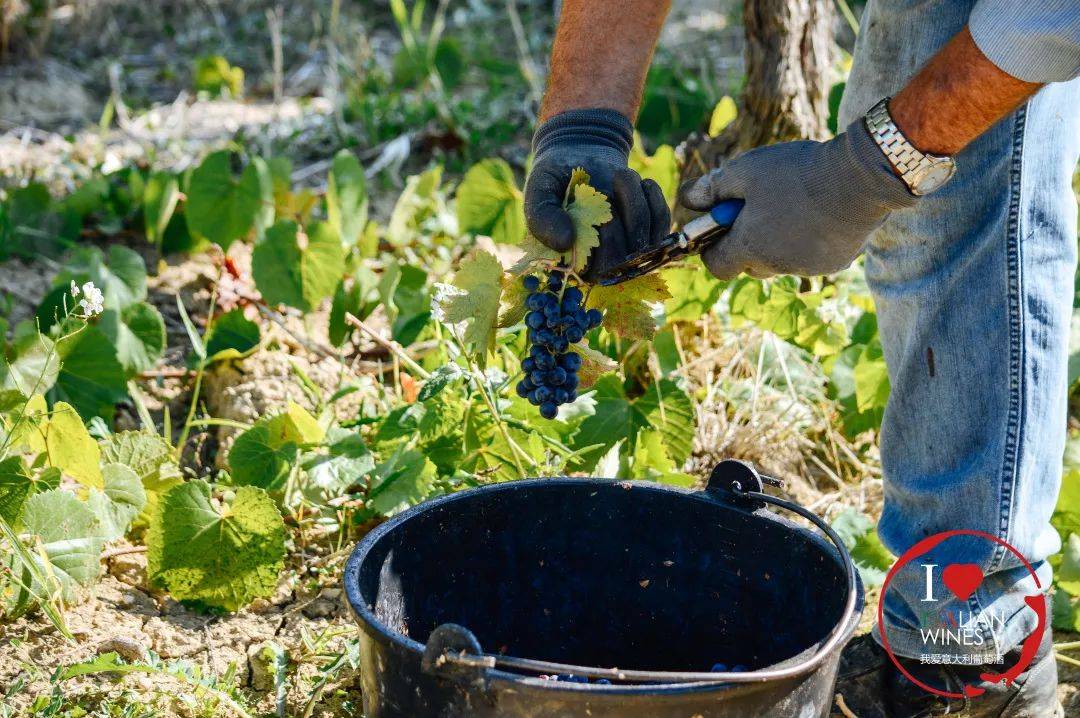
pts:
[297, 268]
[217, 552]
[473, 297]
[588, 209]
[593, 365]
[70, 538]
[119, 503]
[160, 196]
[626, 306]
[17, 485]
[346, 198]
[152, 460]
[219, 207]
[489, 202]
[70, 447]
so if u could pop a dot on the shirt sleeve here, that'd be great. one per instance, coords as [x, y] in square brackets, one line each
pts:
[1032, 40]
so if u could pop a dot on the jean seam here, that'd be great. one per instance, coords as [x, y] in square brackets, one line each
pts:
[1014, 424]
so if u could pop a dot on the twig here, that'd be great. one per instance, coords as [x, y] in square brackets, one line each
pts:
[311, 346]
[122, 551]
[394, 348]
[1067, 659]
[273, 23]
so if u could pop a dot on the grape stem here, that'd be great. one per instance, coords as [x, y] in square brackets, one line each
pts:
[391, 346]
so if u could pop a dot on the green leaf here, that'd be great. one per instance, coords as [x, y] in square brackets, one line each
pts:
[160, 196]
[256, 459]
[296, 268]
[30, 365]
[16, 486]
[219, 207]
[404, 480]
[137, 333]
[588, 209]
[217, 552]
[490, 203]
[859, 534]
[652, 462]
[91, 378]
[119, 503]
[346, 462]
[473, 297]
[626, 306]
[346, 198]
[403, 291]
[70, 536]
[232, 336]
[70, 447]
[664, 407]
[871, 379]
[359, 298]
[1067, 573]
[11, 399]
[1066, 612]
[215, 75]
[150, 457]
[439, 380]
[694, 292]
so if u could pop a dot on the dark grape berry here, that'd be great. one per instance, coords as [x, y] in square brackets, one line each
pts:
[570, 362]
[556, 320]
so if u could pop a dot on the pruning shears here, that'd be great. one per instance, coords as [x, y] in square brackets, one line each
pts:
[696, 236]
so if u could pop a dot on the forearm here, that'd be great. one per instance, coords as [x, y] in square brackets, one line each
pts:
[601, 55]
[956, 97]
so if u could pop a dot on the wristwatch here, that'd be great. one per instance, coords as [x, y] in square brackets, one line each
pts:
[921, 172]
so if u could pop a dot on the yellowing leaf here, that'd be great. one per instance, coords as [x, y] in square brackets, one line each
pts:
[626, 306]
[662, 167]
[295, 425]
[588, 210]
[474, 297]
[70, 447]
[593, 365]
[723, 115]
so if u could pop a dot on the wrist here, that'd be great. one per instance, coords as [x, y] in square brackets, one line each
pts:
[593, 127]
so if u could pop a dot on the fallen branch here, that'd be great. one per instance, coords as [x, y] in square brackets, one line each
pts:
[389, 344]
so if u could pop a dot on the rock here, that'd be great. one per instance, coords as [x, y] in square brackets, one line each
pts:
[172, 641]
[129, 568]
[321, 608]
[130, 649]
[262, 660]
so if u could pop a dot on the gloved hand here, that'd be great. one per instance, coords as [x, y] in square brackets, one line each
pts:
[809, 205]
[598, 141]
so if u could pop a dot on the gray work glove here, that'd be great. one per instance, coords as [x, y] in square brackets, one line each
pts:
[809, 205]
[598, 141]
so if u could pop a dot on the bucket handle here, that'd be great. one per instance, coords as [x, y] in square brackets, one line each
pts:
[734, 481]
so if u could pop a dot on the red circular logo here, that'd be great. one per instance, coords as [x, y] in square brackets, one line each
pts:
[962, 579]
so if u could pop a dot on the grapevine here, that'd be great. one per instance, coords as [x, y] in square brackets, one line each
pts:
[556, 321]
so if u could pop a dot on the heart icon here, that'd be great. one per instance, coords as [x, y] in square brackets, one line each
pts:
[962, 579]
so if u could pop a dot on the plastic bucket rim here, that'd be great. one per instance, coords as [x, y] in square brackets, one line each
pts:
[368, 622]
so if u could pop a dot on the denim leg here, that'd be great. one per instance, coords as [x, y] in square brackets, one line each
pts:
[973, 289]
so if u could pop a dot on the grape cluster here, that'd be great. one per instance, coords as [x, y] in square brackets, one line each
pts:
[556, 319]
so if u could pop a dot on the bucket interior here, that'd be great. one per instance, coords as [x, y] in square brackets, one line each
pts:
[595, 573]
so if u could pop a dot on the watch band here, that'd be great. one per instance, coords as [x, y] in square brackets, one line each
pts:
[909, 162]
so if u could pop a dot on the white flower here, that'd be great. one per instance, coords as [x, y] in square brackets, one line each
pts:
[94, 303]
[74, 288]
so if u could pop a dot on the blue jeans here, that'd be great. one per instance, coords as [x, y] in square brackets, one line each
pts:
[973, 289]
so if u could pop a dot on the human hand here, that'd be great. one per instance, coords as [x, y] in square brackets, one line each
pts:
[599, 141]
[809, 205]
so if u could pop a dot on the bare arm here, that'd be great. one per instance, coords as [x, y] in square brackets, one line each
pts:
[601, 55]
[956, 97]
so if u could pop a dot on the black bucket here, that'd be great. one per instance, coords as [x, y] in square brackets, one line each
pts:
[465, 601]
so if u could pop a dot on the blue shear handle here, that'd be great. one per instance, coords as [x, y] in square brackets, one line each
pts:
[724, 214]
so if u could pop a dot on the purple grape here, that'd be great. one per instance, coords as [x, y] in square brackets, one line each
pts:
[556, 376]
[528, 364]
[543, 394]
[570, 362]
[531, 282]
[594, 317]
[523, 389]
[537, 377]
[548, 410]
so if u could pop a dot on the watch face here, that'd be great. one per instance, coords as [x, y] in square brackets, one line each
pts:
[932, 177]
